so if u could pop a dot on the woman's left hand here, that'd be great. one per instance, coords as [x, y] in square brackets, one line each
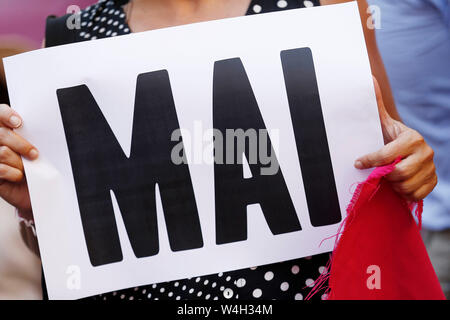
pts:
[414, 177]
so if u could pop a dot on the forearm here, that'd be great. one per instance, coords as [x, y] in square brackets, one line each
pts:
[378, 70]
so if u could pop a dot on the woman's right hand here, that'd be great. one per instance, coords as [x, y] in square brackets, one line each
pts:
[13, 184]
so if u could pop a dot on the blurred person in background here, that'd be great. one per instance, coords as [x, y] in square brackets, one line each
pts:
[413, 178]
[21, 29]
[20, 276]
[414, 41]
[25, 19]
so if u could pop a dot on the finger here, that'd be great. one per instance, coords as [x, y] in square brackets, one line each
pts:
[423, 191]
[10, 174]
[9, 118]
[405, 169]
[400, 147]
[413, 184]
[411, 165]
[9, 157]
[18, 144]
[9, 192]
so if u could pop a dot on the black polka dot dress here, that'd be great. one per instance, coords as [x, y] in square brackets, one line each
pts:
[289, 280]
[107, 18]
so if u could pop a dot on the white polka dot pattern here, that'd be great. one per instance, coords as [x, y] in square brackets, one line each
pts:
[276, 281]
[101, 20]
[108, 19]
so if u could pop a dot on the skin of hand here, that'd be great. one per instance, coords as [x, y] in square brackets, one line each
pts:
[415, 175]
[13, 184]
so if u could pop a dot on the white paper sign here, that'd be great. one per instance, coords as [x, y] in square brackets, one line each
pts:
[305, 72]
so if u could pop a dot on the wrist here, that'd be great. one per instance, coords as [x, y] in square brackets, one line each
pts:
[26, 217]
[25, 214]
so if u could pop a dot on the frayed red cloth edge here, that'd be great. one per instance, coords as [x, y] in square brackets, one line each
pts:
[344, 283]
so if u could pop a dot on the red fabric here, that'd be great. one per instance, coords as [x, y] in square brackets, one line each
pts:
[380, 231]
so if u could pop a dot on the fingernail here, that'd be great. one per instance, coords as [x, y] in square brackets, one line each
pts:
[33, 154]
[15, 121]
[358, 164]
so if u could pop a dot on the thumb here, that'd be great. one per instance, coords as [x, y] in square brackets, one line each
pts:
[386, 155]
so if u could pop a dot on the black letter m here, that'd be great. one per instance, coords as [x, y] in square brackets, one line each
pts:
[100, 165]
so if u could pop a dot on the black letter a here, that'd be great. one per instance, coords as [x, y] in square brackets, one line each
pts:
[235, 107]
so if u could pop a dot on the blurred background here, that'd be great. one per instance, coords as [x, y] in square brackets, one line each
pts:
[414, 40]
[22, 28]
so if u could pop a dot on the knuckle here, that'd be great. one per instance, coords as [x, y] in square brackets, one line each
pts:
[18, 176]
[5, 112]
[379, 155]
[366, 161]
[405, 188]
[3, 170]
[418, 195]
[429, 153]
[3, 152]
[430, 172]
[417, 138]
[4, 132]
[26, 148]
[434, 181]
[402, 172]
[433, 169]
[382, 157]
[376, 157]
